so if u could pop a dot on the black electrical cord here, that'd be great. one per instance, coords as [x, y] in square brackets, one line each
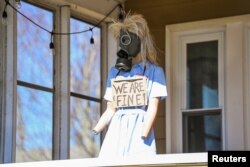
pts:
[60, 33]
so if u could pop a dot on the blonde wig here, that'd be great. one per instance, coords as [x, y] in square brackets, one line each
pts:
[138, 25]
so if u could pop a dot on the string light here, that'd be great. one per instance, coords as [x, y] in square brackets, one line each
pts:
[4, 14]
[4, 18]
[92, 36]
[51, 45]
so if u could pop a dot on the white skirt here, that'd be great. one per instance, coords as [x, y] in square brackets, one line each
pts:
[123, 137]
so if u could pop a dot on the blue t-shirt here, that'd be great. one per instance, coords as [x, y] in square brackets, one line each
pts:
[156, 86]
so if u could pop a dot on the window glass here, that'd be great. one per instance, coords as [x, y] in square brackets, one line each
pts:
[202, 75]
[85, 87]
[34, 101]
[34, 59]
[34, 125]
[202, 131]
[85, 60]
[202, 120]
[84, 116]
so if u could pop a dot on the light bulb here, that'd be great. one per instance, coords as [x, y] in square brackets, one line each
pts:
[4, 18]
[52, 48]
[52, 52]
[92, 41]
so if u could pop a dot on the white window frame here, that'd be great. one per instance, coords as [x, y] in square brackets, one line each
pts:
[231, 32]
[182, 65]
[217, 35]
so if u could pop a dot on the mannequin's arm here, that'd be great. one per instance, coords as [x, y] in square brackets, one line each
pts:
[150, 116]
[105, 118]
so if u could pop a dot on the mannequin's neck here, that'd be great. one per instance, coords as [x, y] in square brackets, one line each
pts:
[137, 59]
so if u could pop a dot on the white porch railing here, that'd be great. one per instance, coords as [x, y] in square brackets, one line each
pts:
[184, 159]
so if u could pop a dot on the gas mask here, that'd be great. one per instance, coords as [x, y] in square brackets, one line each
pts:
[130, 46]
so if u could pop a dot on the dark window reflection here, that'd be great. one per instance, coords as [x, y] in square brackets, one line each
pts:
[202, 127]
[202, 131]
[202, 75]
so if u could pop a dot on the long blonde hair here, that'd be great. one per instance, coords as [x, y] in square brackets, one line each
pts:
[138, 25]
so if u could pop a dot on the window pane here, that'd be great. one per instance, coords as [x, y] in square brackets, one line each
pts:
[202, 131]
[84, 115]
[34, 125]
[202, 75]
[85, 59]
[34, 61]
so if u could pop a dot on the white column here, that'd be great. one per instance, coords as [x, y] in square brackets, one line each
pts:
[62, 87]
[234, 125]
[168, 99]
[8, 122]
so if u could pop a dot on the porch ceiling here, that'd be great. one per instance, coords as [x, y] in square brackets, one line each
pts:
[100, 6]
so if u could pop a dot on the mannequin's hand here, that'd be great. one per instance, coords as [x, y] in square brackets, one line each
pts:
[105, 118]
[150, 116]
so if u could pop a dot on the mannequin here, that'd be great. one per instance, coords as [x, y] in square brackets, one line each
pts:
[135, 86]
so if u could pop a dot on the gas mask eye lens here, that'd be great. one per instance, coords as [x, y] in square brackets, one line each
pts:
[125, 40]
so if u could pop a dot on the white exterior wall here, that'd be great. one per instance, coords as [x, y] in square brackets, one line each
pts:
[234, 87]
